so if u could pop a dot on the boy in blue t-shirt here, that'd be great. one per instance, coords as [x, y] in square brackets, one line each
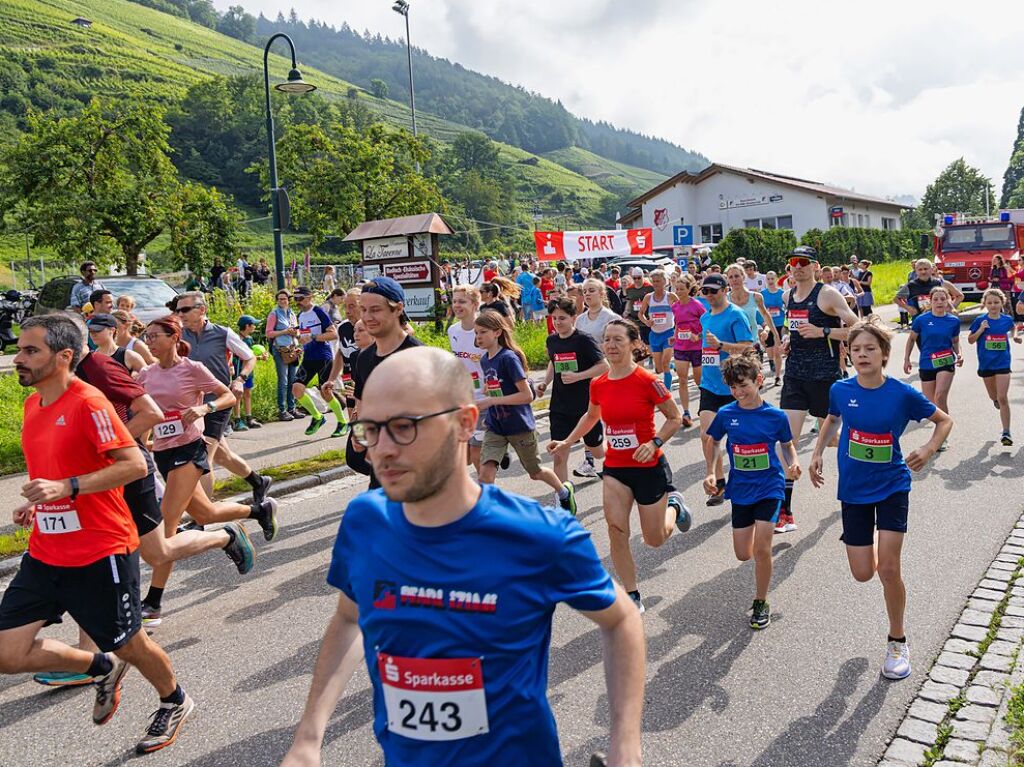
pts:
[992, 332]
[757, 481]
[242, 412]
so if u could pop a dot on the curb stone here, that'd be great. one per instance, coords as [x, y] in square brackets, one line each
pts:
[958, 714]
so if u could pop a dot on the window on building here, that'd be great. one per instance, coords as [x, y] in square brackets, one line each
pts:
[835, 221]
[771, 222]
[710, 233]
[785, 222]
[888, 223]
[768, 223]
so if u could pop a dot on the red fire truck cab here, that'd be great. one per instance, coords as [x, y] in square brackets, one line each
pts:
[964, 247]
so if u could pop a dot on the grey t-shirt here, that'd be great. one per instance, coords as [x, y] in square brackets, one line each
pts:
[595, 328]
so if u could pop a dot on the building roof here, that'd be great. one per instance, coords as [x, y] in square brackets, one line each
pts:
[816, 187]
[425, 223]
[82, 22]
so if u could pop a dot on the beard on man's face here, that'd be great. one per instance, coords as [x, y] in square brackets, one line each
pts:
[428, 480]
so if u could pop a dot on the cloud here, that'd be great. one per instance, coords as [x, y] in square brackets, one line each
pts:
[879, 96]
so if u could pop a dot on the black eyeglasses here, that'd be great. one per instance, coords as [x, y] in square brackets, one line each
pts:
[401, 429]
[185, 309]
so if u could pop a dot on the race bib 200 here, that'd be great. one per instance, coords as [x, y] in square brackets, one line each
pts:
[798, 317]
[750, 457]
[710, 357]
[871, 448]
[434, 698]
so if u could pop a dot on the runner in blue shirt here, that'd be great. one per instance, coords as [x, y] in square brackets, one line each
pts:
[452, 603]
[724, 331]
[757, 482]
[992, 331]
[874, 478]
[773, 302]
[939, 335]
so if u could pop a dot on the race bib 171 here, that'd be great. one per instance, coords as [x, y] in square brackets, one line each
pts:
[433, 698]
[57, 517]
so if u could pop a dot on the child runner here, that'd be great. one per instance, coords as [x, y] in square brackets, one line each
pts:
[772, 296]
[656, 313]
[595, 319]
[574, 359]
[506, 403]
[462, 340]
[687, 312]
[939, 334]
[243, 407]
[992, 331]
[635, 470]
[757, 482]
[874, 478]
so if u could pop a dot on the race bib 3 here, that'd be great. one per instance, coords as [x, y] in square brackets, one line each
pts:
[434, 699]
[870, 448]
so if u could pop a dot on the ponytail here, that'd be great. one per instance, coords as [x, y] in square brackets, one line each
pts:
[172, 326]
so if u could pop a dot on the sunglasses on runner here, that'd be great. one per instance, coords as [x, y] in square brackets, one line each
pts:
[184, 309]
[709, 291]
[401, 429]
[799, 261]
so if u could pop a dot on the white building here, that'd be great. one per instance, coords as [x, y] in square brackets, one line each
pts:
[722, 197]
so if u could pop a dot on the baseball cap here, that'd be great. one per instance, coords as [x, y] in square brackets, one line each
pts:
[714, 281]
[387, 287]
[102, 321]
[636, 271]
[804, 251]
[245, 320]
[302, 290]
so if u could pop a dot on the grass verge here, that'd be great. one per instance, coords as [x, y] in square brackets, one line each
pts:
[12, 544]
[1015, 718]
[329, 459]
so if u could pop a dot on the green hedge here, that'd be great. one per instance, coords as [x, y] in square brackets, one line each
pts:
[770, 247]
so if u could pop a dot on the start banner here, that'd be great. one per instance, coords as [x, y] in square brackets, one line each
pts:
[571, 246]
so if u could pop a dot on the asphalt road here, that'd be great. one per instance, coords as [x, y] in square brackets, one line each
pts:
[805, 692]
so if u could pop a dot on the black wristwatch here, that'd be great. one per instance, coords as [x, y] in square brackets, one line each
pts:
[658, 441]
[74, 488]
[826, 331]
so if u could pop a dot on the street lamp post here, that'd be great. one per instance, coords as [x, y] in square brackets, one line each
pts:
[401, 7]
[294, 84]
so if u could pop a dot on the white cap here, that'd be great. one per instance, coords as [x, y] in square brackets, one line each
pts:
[636, 271]
[584, 271]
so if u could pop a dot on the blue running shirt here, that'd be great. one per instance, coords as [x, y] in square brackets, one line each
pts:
[729, 326]
[936, 335]
[441, 606]
[756, 473]
[871, 466]
[994, 343]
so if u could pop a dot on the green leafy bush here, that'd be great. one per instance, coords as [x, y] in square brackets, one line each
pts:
[768, 247]
[877, 245]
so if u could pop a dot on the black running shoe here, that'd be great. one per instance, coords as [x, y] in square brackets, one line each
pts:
[635, 596]
[165, 724]
[189, 525]
[505, 462]
[717, 499]
[268, 519]
[761, 615]
[259, 493]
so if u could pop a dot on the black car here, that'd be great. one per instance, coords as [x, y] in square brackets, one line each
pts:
[150, 294]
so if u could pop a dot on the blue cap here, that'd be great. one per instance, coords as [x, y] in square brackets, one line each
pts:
[245, 320]
[387, 287]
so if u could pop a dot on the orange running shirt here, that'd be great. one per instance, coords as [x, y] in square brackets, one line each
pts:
[65, 439]
[627, 410]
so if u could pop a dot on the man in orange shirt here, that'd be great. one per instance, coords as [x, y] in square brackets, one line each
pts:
[82, 557]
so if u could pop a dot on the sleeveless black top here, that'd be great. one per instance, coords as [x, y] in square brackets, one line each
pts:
[811, 359]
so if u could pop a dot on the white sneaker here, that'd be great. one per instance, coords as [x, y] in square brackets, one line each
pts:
[585, 469]
[897, 661]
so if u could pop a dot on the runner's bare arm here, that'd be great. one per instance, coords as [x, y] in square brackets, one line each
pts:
[523, 396]
[622, 636]
[644, 305]
[955, 293]
[759, 300]
[735, 347]
[673, 420]
[225, 399]
[972, 338]
[712, 449]
[145, 415]
[829, 430]
[911, 345]
[793, 470]
[549, 376]
[585, 375]
[917, 459]
[128, 465]
[831, 301]
[587, 422]
[340, 653]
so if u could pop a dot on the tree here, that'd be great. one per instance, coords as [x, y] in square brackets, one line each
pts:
[379, 88]
[474, 151]
[97, 185]
[237, 23]
[203, 226]
[1015, 171]
[960, 188]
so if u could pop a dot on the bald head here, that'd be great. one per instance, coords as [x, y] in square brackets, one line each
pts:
[422, 374]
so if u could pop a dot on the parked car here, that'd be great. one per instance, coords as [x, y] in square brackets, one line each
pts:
[150, 294]
[626, 263]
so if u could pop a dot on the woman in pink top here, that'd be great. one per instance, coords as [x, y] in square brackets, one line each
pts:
[686, 347]
[178, 385]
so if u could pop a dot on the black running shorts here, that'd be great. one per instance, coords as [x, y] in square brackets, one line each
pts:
[313, 370]
[562, 426]
[215, 424]
[861, 519]
[711, 402]
[176, 457]
[102, 597]
[648, 484]
[746, 514]
[140, 496]
[811, 396]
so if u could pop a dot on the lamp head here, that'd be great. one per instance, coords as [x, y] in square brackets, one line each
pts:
[295, 84]
[401, 6]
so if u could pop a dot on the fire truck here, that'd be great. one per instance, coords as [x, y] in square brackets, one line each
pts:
[965, 245]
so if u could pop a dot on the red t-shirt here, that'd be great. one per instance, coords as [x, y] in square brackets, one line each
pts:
[69, 438]
[627, 409]
[489, 275]
[612, 283]
[546, 286]
[113, 380]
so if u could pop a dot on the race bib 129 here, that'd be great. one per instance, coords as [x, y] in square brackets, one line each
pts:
[433, 699]
[171, 426]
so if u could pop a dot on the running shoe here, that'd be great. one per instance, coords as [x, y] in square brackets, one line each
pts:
[259, 494]
[253, 423]
[897, 661]
[228, 431]
[569, 502]
[240, 425]
[598, 759]
[164, 725]
[778, 381]
[944, 446]
[240, 549]
[108, 692]
[761, 615]
[780, 524]
[268, 519]
[284, 415]
[585, 469]
[340, 430]
[190, 524]
[315, 425]
[717, 499]
[505, 462]
[790, 522]
[63, 679]
[683, 517]
[298, 413]
[687, 419]
[151, 616]
[1005, 439]
[635, 596]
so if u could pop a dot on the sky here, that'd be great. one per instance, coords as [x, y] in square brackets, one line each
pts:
[873, 96]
